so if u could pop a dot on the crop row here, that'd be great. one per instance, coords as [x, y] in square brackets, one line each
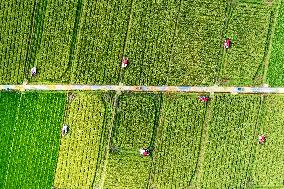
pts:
[8, 110]
[173, 127]
[197, 46]
[174, 43]
[150, 37]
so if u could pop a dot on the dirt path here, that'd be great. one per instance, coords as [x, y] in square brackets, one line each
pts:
[187, 89]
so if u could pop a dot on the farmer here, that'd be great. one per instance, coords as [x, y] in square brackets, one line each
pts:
[33, 71]
[261, 139]
[124, 62]
[227, 43]
[64, 130]
[144, 152]
[203, 98]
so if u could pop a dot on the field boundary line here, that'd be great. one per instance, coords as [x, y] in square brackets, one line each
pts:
[258, 125]
[199, 170]
[158, 132]
[221, 65]
[75, 37]
[121, 71]
[30, 37]
[128, 27]
[78, 39]
[107, 148]
[173, 40]
[124, 88]
[67, 106]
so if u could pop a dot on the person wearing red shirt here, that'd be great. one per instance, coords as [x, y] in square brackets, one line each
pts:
[261, 139]
[227, 43]
[124, 62]
[144, 152]
[203, 98]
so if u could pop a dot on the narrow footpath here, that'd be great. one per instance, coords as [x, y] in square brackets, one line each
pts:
[187, 89]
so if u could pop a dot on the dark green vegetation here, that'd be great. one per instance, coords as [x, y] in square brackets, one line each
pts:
[8, 110]
[168, 42]
[31, 130]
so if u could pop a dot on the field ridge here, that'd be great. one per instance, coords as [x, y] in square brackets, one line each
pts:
[204, 139]
[110, 133]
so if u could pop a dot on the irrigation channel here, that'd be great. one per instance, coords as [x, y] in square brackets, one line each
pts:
[187, 89]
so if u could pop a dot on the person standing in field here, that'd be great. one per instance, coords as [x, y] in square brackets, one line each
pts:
[124, 62]
[33, 71]
[65, 130]
[144, 152]
[227, 43]
[203, 98]
[261, 139]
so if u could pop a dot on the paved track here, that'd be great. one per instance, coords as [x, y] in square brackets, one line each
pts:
[188, 89]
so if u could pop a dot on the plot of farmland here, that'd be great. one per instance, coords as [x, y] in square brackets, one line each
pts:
[174, 43]
[229, 152]
[276, 68]
[150, 36]
[52, 39]
[35, 141]
[82, 150]
[197, 48]
[103, 27]
[178, 142]
[15, 19]
[269, 158]
[135, 127]
[8, 111]
[248, 28]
